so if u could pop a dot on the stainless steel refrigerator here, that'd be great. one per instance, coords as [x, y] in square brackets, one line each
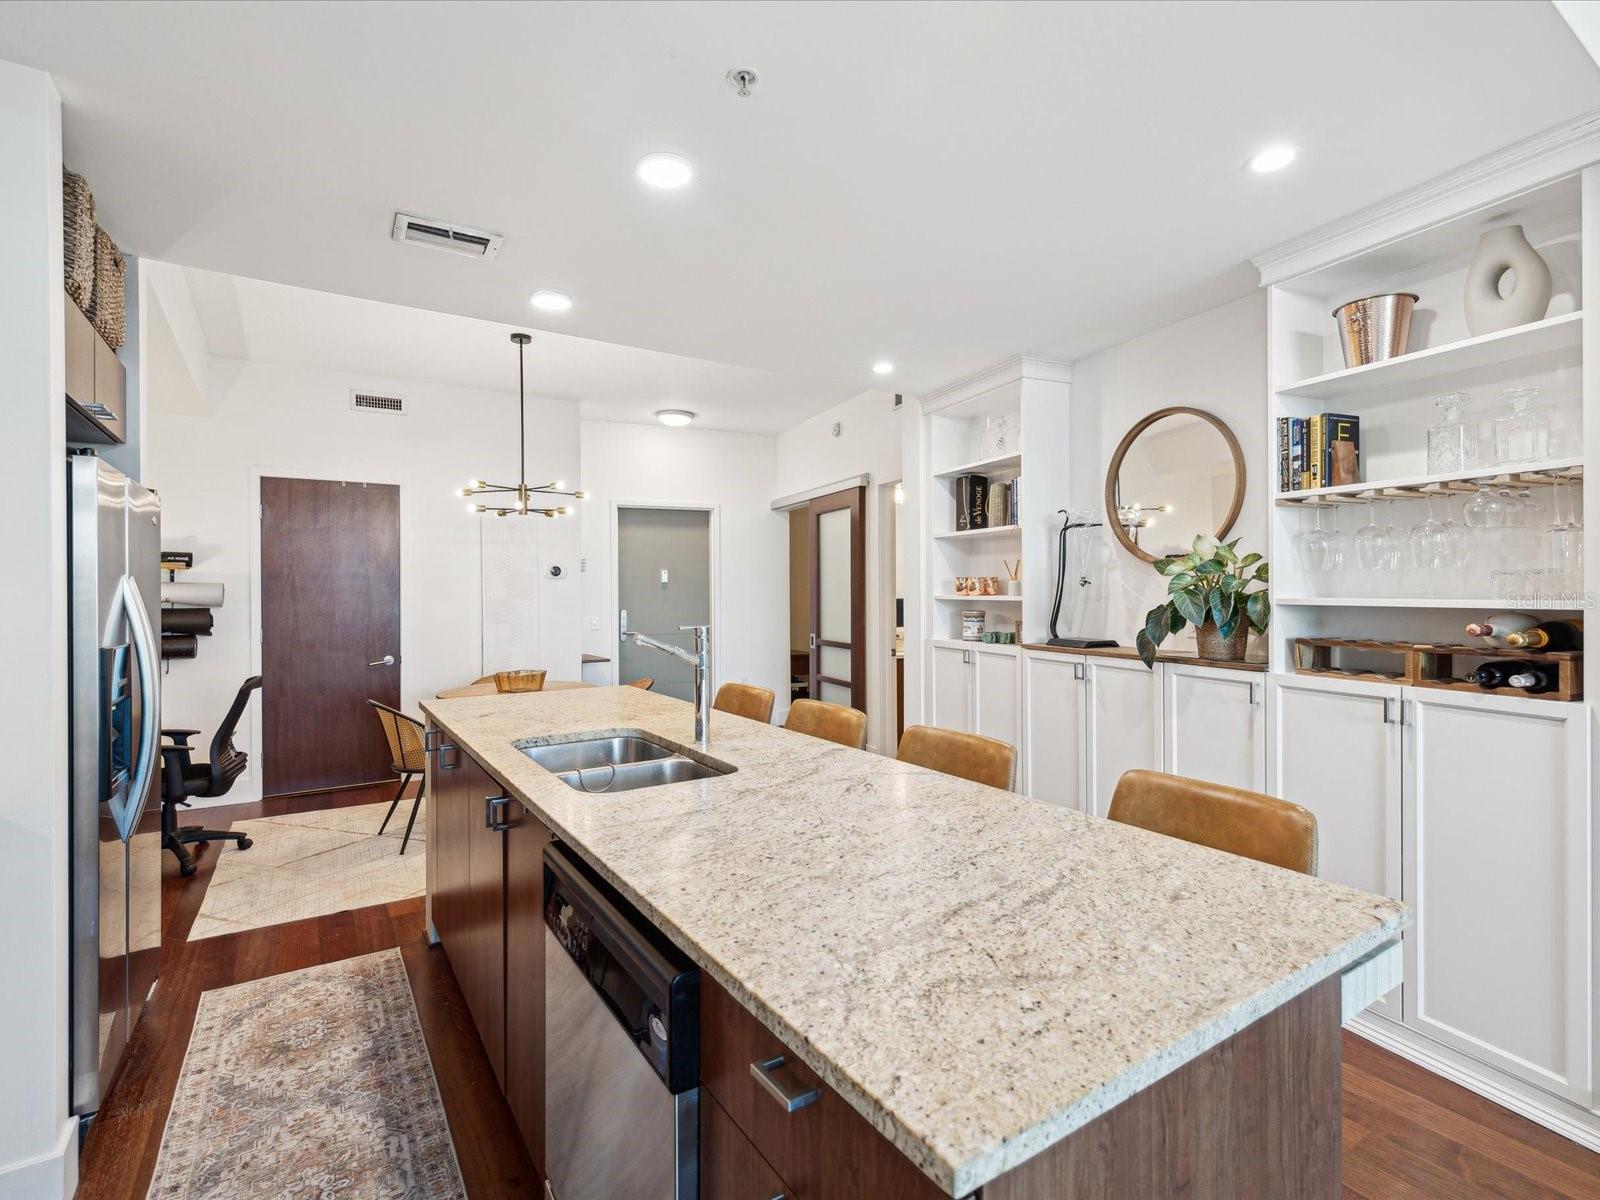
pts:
[114, 566]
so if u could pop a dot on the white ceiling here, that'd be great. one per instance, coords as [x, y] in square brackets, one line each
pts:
[944, 185]
[271, 322]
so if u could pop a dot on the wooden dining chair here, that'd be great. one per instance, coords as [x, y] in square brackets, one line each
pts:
[1240, 822]
[644, 682]
[404, 734]
[968, 755]
[831, 722]
[745, 700]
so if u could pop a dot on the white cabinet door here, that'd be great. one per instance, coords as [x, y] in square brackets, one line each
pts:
[1334, 747]
[1214, 725]
[1053, 688]
[950, 685]
[1124, 724]
[997, 693]
[1497, 865]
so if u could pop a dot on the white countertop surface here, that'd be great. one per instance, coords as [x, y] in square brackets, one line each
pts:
[977, 973]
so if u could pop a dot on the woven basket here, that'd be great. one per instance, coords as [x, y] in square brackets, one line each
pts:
[107, 310]
[77, 216]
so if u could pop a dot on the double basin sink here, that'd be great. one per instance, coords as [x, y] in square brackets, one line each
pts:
[604, 765]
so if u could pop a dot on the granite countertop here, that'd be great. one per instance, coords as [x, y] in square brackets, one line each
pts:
[977, 973]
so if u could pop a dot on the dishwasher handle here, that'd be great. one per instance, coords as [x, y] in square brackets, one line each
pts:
[762, 1070]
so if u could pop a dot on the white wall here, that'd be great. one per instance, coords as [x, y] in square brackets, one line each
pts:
[1216, 361]
[733, 473]
[38, 1139]
[221, 426]
[869, 443]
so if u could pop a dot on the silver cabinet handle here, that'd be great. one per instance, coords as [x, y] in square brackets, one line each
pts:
[762, 1071]
[386, 661]
[494, 808]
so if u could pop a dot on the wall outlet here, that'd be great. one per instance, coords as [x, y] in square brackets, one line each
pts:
[594, 622]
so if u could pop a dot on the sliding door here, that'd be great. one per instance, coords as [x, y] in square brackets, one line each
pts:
[839, 598]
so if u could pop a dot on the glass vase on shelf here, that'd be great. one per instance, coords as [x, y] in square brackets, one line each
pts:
[1523, 434]
[1452, 443]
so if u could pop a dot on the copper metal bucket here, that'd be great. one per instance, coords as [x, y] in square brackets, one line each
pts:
[1375, 327]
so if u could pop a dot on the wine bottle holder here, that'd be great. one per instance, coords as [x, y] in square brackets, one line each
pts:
[1431, 664]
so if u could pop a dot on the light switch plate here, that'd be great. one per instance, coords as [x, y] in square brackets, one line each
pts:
[663, 576]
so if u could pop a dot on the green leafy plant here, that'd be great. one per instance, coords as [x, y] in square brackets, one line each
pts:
[1210, 583]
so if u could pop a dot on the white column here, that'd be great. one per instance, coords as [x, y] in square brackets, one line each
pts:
[38, 1139]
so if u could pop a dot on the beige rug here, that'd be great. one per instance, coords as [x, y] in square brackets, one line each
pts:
[314, 1085]
[312, 864]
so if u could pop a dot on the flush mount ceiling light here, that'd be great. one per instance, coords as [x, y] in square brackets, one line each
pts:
[1273, 158]
[546, 300]
[520, 494]
[665, 171]
[883, 367]
[674, 416]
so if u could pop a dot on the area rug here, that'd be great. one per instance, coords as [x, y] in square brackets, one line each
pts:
[310, 865]
[314, 1085]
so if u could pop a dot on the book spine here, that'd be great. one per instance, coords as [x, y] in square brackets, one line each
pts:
[1283, 454]
[1316, 450]
[1342, 430]
[1297, 441]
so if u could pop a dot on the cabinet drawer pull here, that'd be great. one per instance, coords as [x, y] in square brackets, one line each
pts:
[441, 749]
[762, 1071]
[494, 808]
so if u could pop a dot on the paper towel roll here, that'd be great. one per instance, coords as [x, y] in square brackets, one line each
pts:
[192, 595]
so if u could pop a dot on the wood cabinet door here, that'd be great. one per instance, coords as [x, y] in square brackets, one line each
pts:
[730, 1166]
[1054, 738]
[997, 694]
[483, 976]
[80, 342]
[1215, 729]
[1334, 748]
[1498, 865]
[1124, 724]
[524, 982]
[447, 846]
[110, 389]
[950, 686]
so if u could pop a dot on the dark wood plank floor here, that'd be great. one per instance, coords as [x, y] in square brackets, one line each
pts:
[1408, 1135]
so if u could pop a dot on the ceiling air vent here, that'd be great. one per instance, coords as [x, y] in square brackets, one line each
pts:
[441, 235]
[377, 402]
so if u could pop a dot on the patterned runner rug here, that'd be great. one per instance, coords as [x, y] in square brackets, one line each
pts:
[314, 1085]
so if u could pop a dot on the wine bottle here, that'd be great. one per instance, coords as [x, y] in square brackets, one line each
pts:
[1499, 626]
[1549, 635]
[1494, 674]
[1535, 677]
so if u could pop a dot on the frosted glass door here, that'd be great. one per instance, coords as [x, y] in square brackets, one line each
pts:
[838, 587]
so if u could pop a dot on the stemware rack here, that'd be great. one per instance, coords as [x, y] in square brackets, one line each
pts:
[1541, 474]
[1432, 664]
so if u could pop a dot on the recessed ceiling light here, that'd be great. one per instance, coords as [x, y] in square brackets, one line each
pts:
[548, 301]
[1273, 158]
[674, 416]
[883, 367]
[665, 171]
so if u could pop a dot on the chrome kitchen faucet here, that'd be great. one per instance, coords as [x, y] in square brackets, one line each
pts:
[700, 660]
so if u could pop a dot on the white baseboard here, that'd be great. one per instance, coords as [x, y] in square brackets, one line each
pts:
[51, 1176]
[1571, 1122]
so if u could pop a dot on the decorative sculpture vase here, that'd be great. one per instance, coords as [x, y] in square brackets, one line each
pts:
[1501, 250]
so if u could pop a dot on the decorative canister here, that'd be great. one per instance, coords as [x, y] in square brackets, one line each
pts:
[1374, 328]
[972, 625]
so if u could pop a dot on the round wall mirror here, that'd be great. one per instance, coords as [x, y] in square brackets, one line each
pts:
[1178, 472]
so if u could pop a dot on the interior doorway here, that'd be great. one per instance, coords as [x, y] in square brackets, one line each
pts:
[330, 631]
[838, 604]
[663, 581]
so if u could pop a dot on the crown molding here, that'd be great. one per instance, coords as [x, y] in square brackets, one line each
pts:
[1015, 370]
[1541, 159]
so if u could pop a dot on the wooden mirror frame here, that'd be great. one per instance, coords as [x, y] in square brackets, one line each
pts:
[1121, 452]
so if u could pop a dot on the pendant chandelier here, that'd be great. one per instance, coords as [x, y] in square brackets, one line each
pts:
[519, 497]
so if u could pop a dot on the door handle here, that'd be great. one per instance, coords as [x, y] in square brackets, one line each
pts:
[762, 1070]
[386, 661]
[622, 626]
[145, 655]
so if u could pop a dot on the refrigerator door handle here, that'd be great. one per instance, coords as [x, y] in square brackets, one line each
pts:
[145, 655]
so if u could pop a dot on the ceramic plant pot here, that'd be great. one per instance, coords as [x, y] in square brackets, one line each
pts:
[1211, 644]
[1499, 251]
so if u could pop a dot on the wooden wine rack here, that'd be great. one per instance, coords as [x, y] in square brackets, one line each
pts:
[1432, 665]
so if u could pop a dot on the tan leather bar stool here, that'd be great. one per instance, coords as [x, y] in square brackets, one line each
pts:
[745, 700]
[1245, 823]
[644, 683]
[831, 722]
[969, 755]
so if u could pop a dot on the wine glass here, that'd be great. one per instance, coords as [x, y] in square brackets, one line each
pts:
[1433, 550]
[1320, 549]
[1564, 543]
[1484, 510]
[1377, 549]
[1463, 548]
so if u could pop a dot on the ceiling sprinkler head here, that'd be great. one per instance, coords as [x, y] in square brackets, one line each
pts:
[742, 79]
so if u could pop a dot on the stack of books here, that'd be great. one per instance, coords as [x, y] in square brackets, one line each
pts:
[1319, 451]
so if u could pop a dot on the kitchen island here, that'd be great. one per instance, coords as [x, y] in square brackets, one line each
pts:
[1019, 998]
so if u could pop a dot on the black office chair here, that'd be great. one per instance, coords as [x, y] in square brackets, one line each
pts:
[182, 779]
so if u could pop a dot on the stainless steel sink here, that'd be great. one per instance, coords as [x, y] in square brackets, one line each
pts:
[619, 764]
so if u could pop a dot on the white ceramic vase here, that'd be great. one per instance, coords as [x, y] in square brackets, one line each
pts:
[1501, 250]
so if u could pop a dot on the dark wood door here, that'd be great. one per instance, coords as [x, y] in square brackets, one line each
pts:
[838, 565]
[330, 607]
[447, 848]
[730, 1167]
[484, 980]
[524, 1083]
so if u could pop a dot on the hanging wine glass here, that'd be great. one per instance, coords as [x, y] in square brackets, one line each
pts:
[1484, 510]
[1433, 551]
[1463, 548]
[1319, 551]
[1378, 550]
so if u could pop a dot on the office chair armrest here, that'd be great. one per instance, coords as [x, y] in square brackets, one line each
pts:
[176, 758]
[180, 736]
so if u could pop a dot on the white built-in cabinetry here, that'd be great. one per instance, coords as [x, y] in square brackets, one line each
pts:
[974, 689]
[1214, 725]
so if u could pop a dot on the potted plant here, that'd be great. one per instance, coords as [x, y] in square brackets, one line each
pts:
[1209, 588]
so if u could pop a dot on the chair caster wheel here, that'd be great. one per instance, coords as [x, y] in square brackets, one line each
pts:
[245, 843]
[186, 869]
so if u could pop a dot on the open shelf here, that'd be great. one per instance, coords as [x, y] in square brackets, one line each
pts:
[1524, 341]
[999, 465]
[1418, 485]
[989, 531]
[1415, 602]
[980, 601]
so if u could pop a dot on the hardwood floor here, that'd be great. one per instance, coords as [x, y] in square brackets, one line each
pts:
[1408, 1135]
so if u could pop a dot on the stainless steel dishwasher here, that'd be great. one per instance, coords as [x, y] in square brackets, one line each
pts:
[622, 1046]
